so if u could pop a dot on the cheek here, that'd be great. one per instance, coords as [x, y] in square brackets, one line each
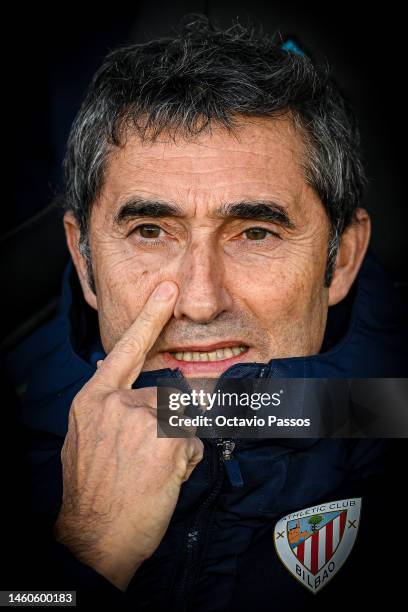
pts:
[281, 291]
[123, 287]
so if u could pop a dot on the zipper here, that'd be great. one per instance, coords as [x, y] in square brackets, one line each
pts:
[226, 447]
[224, 458]
[196, 533]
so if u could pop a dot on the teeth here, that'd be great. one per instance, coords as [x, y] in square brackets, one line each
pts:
[219, 354]
[236, 350]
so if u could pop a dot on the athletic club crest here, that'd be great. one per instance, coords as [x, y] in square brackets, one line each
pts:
[315, 542]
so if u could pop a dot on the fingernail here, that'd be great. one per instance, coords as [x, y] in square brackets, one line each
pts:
[164, 291]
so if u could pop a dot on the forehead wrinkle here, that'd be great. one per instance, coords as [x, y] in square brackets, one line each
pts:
[276, 133]
[255, 181]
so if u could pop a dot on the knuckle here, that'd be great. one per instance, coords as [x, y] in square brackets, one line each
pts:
[199, 448]
[112, 401]
[132, 344]
[82, 399]
[146, 396]
[77, 408]
[195, 450]
[147, 317]
[144, 415]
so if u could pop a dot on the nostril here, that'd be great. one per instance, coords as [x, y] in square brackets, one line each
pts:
[201, 304]
[198, 309]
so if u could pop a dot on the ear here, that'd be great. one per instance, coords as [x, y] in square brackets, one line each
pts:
[72, 234]
[353, 246]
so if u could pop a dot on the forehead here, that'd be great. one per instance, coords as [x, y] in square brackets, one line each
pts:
[262, 158]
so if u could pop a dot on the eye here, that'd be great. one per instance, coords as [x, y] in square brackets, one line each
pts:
[148, 231]
[256, 233]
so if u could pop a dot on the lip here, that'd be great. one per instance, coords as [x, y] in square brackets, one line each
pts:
[201, 368]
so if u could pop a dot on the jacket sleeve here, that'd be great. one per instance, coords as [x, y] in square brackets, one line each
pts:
[36, 560]
[65, 572]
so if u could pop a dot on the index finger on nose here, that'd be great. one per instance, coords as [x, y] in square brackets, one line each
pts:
[124, 362]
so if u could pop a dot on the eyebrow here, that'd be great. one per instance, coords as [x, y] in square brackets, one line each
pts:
[258, 211]
[265, 210]
[138, 207]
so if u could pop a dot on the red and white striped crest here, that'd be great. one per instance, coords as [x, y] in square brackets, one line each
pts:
[313, 543]
[318, 548]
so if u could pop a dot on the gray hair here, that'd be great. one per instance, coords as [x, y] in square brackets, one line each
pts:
[204, 75]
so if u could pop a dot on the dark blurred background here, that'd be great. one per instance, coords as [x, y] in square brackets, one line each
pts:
[54, 55]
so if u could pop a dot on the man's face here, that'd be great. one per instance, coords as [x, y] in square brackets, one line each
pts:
[232, 221]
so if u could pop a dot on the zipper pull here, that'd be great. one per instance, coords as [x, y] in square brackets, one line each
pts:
[231, 464]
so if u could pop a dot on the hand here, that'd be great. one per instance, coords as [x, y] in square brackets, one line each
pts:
[121, 482]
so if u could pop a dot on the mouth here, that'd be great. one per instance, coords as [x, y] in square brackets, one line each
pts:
[206, 359]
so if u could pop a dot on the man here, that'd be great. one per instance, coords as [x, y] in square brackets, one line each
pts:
[213, 191]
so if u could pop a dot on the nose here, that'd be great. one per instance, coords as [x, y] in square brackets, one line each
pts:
[202, 295]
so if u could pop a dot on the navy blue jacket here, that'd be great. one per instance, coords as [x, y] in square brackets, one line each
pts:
[218, 552]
